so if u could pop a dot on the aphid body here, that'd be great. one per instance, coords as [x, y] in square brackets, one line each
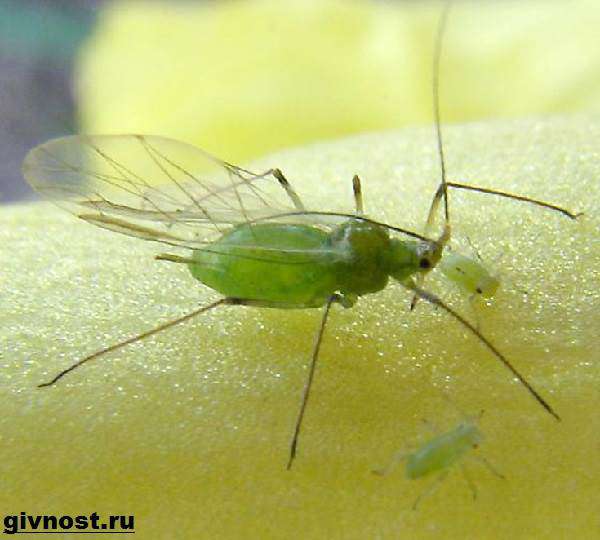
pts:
[469, 274]
[443, 451]
[440, 454]
[302, 265]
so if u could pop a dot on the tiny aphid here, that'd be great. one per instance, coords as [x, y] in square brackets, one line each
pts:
[247, 236]
[440, 454]
[470, 274]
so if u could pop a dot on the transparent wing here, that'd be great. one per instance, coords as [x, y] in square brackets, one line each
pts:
[157, 188]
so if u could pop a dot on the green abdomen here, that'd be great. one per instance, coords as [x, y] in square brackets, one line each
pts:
[291, 264]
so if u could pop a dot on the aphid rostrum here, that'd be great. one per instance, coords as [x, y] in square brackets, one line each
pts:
[247, 236]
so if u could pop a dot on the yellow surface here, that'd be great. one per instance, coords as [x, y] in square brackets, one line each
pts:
[189, 431]
[242, 78]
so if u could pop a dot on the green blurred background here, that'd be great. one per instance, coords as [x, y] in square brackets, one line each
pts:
[241, 78]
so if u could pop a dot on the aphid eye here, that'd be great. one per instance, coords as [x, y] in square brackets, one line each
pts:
[424, 263]
[475, 446]
[478, 290]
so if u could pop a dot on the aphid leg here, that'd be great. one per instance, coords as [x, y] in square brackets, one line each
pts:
[430, 489]
[488, 466]
[358, 199]
[469, 481]
[283, 181]
[414, 300]
[138, 337]
[474, 249]
[311, 374]
[346, 301]
[472, 301]
[435, 300]
[397, 458]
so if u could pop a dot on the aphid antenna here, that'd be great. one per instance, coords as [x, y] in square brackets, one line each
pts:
[446, 397]
[393, 228]
[476, 251]
[442, 191]
[443, 188]
[466, 418]
[497, 260]
[522, 198]
[437, 54]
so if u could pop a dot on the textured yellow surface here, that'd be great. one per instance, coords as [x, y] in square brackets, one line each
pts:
[189, 431]
[241, 78]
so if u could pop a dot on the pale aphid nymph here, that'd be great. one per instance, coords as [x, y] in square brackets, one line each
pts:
[440, 454]
[470, 274]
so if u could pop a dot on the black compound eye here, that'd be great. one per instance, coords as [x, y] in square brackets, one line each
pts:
[424, 263]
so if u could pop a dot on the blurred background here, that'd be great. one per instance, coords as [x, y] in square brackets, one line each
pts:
[241, 78]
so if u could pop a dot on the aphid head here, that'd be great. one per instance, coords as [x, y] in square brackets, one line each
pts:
[430, 252]
[428, 255]
[407, 258]
[487, 286]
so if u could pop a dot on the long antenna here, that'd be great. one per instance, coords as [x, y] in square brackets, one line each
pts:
[442, 190]
[437, 53]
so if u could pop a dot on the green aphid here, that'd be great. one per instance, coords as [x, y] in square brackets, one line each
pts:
[247, 236]
[440, 454]
[470, 274]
